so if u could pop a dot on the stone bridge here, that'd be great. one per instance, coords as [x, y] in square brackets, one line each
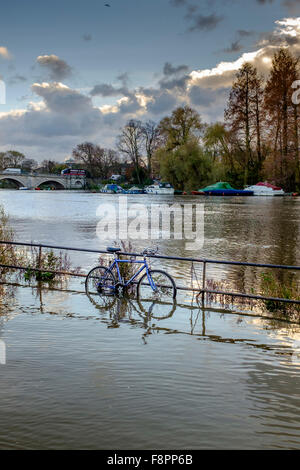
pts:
[33, 181]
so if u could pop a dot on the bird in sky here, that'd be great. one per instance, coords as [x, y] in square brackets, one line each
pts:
[107, 5]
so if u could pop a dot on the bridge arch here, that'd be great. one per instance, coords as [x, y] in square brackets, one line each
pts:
[51, 183]
[18, 181]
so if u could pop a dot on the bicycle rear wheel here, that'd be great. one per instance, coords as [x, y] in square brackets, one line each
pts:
[100, 280]
[164, 287]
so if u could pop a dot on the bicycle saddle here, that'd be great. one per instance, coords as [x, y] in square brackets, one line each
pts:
[113, 250]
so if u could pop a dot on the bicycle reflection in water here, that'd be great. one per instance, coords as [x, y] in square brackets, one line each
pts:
[147, 314]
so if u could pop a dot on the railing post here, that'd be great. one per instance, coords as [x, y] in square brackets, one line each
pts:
[203, 281]
[40, 257]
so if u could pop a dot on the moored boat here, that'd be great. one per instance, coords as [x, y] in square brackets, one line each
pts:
[160, 189]
[113, 189]
[198, 193]
[224, 189]
[266, 189]
[135, 190]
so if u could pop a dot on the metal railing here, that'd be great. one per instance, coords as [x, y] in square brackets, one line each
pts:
[203, 290]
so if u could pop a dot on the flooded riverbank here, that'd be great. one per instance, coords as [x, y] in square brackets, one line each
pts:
[76, 375]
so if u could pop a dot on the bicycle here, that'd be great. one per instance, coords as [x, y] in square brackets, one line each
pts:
[154, 285]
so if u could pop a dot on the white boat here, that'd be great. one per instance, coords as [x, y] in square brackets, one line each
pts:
[266, 189]
[161, 189]
[24, 188]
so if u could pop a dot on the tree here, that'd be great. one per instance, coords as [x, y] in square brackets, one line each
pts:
[243, 117]
[130, 143]
[283, 118]
[187, 167]
[29, 164]
[15, 158]
[97, 161]
[49, 166]
[152, 141]
[184, 124]
[11, 159]
[85, 153]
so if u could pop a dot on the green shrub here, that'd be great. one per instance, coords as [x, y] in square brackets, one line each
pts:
[273, 287]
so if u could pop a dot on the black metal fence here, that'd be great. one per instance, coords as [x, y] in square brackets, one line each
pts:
[203, 290]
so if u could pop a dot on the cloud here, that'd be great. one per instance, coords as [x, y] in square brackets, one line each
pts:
[169, 69]
[17, 79]
[234, 47]
[243, 33]
[4, 53]
[204, 22]
[58, 121]
[106, 89]
[62, 99]
[57, 68]
[123, 78]
[60, 116]
[162, 103]
[293, 6]
[286, 34]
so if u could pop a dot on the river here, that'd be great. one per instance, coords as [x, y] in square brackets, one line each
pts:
[74, 375]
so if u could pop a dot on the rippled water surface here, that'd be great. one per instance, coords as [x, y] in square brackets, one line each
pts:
[75, 375]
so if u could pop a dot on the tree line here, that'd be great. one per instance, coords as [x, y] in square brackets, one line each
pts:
[257, 140]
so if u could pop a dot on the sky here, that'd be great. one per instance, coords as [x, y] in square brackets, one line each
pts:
[77, 71]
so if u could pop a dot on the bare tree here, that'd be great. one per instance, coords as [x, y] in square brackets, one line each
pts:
[29, 164]
[98, 161]
[85, 153]
[152, 141]
[130, 143]
[13, 158]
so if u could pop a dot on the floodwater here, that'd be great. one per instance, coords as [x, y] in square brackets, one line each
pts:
[75, 375]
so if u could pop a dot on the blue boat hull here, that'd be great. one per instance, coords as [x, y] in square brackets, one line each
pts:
[228, 192]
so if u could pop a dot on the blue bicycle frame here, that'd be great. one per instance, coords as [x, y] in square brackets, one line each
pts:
[145, 266]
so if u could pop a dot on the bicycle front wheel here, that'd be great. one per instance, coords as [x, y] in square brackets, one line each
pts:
[100, 281]
[162, 287]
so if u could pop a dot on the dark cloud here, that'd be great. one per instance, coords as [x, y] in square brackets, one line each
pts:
[62, 99]
[170, 70]
[161, 103]
[234, 47]
[244, 33]
[123, 78]
[292, 5]
[204, 22]
[17, 79]
[106, 89]
[57, 68]
[130, 106]
[200, 96]
[174, 83]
